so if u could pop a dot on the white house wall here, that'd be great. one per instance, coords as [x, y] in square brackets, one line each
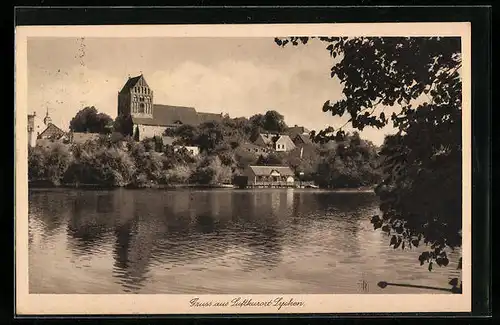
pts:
[149, 131]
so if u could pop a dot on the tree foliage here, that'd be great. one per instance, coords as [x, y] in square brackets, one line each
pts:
[271, 159]
[124, 125]
[353, 163]
[211, 171]
[274, 122]
[49, 163]
[420, 76]
[90, 120]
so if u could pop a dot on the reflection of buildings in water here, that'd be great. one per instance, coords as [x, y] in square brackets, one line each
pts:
[140, 248]
[275, 200]
[214, 203]
[289, 198]
[179, 202]
[141, 219]
[122, 244]
[221, 207]
[297, 202]
[285, 202]
[132, 252]
[123, 206]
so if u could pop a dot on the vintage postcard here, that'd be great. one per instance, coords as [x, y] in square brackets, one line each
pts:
[242, 169]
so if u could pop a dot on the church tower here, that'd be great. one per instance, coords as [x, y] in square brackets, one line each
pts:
[136, 98]
[47, 120]
[31, 130]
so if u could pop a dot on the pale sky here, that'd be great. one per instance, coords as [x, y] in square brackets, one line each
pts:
[238, 76]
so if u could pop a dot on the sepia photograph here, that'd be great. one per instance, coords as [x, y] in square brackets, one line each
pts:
[244, 170]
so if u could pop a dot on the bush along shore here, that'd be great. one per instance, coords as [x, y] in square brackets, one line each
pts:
[110, 162]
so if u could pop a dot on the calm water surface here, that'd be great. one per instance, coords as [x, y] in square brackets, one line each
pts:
[215, 241]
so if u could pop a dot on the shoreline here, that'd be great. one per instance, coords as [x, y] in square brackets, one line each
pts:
[48, 185]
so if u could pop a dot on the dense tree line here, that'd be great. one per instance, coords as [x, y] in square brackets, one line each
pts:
[421, 192]
[130, 163]
[222, 156]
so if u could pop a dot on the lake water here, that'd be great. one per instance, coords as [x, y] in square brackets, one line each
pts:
[216, 241]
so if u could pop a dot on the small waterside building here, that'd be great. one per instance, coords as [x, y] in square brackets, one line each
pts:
[269, 176]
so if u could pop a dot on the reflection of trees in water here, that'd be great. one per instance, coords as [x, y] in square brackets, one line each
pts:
[344, 202]
[347, 212]
[193, 229]
[205, 223]
[187, 237]
[89, 222]
[179, 227]
[260, 226]
[50, 208]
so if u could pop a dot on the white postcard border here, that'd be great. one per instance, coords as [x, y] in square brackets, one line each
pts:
[29, 304]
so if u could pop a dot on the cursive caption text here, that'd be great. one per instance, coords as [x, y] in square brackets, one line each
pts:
[278, 303]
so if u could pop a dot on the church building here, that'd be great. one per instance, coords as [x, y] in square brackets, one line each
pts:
[136, 99]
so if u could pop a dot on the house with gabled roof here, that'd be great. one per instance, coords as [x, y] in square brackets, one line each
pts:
[136, 99]
[302, 139]
[278, 142]
[296, 130]
[275, 176]
[284, 143]
[51, 132]
[265, 140]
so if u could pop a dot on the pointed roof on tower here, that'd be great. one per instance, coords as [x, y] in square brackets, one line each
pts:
[131, 82]
[47, 120]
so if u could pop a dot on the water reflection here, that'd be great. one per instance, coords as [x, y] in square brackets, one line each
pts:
[240, 240]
